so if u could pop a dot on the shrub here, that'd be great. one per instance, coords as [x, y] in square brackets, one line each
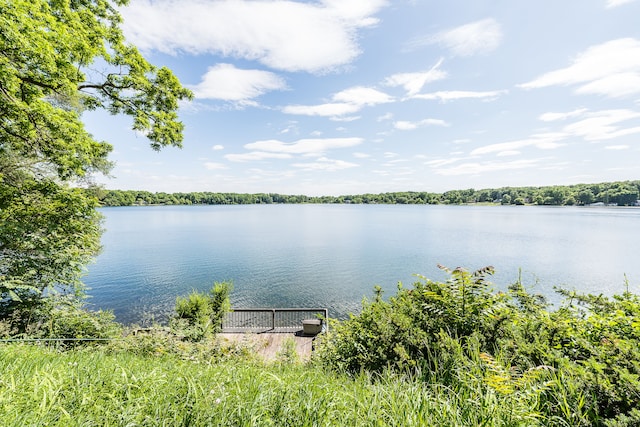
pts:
[200, 314]
[59, 317]
[577, 365]
[219, 302]
[406, 331]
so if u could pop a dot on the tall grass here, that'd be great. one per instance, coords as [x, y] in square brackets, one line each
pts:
[41, 386]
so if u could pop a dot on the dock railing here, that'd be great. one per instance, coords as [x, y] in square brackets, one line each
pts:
[260, 320]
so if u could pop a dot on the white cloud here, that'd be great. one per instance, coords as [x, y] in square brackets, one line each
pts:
[226, 82]
[325, 165]
[437, 163]
[215, 166]
[360, 95]
[346, 102]
[471, 39]
[611, 69]
[547, 141]
[358, 155]
[485, 167]
[395, 162]
[551, 117]
[304, 146]
[325, 110]
[381, 172]
[193, 106]
[592, 126]
[284, 35]
[616, 3]
[601, 125]
[290, 128]
[344, 119]
[508, 153]
[406, 125]
[615, 86]
[452, 95]
[217, 147]
[256, 155]
[617, 147]
[385, 117]
[414, 82]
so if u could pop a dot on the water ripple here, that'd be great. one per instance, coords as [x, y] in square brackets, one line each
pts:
[333, 255]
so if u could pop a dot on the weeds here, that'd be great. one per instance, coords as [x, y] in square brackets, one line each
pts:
[44, 387]
[577, 365]
[438, 354]
[200, 315]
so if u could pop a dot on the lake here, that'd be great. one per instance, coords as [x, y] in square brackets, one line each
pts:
[333, 255]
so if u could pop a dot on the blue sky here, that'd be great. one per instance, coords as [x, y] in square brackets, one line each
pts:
[335, 97]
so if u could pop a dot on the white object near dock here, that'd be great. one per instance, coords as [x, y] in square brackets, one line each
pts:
[311, 326]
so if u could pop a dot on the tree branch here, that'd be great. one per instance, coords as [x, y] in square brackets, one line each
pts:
[15, 135]
[29, 80]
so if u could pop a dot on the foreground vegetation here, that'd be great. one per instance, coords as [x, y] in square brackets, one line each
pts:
[49, 228]
[623, 193]
[101, 387]
[576, 365]
[437, 353]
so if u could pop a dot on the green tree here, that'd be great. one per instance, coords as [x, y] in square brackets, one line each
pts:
[586, 197]
[554, 195]
[624, 194]
[57, 59]
[453, 197]
[47, 233]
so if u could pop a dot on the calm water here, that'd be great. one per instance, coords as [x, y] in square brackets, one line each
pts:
[332, 255]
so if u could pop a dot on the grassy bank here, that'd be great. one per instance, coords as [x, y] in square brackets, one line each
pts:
[42, 386]
[448, 353]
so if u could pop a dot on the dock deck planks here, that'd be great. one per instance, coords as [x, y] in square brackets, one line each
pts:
[269, 345]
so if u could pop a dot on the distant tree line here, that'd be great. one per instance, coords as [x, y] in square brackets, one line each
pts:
[621, 193]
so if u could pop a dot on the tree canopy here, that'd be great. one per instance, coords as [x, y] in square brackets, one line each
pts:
[57, 59]
[618, 193]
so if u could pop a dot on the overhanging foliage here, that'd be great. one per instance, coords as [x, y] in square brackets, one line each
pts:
[58, 58]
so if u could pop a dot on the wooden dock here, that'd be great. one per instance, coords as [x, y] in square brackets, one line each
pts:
[272, 346]
[273, 333]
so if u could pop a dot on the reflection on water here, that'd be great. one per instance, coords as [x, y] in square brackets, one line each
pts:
[332, 255]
